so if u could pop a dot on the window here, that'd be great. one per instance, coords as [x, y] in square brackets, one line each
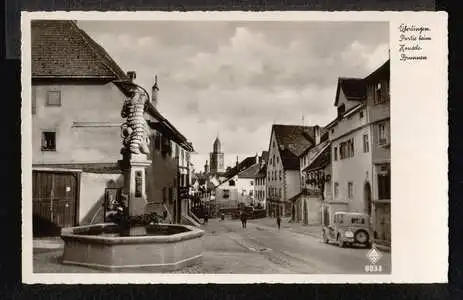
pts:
[268, 175]
[384, 182]
[226, 194]
[335, 153]
[279, 192]
[251, 182]
[382, 134]
[357, 220]
[351, 148]
[346, 149]
[336, 189]
[350, 190]
[381, 93]
[177, 150]
[273, 144]
[332, 131]
[34, 101]
[273, 160]
[366, 145]
[231, 183]
[278, 160]
[48, 141]
[54, 98]
[361, 114]
[250, 192]
[164, 195]
[280, 174]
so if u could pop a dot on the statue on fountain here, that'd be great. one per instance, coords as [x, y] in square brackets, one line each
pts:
[134, 131]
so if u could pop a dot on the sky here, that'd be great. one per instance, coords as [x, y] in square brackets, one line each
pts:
[236, 79]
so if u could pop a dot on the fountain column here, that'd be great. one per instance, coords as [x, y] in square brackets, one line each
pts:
[134, 156]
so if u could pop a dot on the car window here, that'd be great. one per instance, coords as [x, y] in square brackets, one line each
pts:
[358, 220]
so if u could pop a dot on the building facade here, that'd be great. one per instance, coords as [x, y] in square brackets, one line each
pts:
[287, 142]
[77, 95]
[350, 143]
[315, 173]
[378, 104]
[260, 179]
[360, 146]
[239, 187]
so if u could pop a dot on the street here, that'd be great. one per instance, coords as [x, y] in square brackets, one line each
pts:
[258, 249]
[264, 249]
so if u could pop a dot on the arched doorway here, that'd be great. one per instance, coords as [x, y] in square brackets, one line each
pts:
[367, 198]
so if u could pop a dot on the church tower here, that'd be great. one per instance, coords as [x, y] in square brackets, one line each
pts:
[216, 158]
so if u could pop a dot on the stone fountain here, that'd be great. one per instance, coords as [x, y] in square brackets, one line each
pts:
[135, 241]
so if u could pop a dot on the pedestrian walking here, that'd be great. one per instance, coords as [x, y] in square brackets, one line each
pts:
[245, 220]
[242, 219]
[278, 222]
[205, 218]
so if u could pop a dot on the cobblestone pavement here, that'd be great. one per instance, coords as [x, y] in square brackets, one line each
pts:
[258, 249]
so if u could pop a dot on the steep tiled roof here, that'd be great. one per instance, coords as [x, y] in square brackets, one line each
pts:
[292, 141]
[382, 72]
[250, 172]
[353, 88]
[321, 160]
[243, 165]
[60, 49]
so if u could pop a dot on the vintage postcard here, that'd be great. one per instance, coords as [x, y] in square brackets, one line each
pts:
[234, 147]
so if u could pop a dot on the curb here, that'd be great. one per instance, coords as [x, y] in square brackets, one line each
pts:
[314, 235]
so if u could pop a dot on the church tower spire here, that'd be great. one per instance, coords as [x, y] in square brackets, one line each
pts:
[217, 157]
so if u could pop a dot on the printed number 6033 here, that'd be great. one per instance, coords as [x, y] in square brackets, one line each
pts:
[373, 268]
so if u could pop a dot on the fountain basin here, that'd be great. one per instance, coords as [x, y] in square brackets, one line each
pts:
[165, 247]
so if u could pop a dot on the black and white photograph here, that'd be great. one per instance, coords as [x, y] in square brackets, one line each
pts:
[211, 146]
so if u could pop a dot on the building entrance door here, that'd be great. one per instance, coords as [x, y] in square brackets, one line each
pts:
[55, 201]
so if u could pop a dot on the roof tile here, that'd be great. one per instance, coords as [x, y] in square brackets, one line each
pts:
[60, 49]
[292, 141]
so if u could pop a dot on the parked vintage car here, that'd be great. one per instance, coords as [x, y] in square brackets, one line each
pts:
[349, 229]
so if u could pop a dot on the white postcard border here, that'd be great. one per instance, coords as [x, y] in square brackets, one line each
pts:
[419, 161]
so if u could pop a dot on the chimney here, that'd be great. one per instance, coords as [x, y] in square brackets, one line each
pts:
[154, 92]
[237, 161]
[317, 134]
[132, 75]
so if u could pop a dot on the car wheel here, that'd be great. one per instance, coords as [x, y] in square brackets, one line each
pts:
[362, 237]
[340, 241]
